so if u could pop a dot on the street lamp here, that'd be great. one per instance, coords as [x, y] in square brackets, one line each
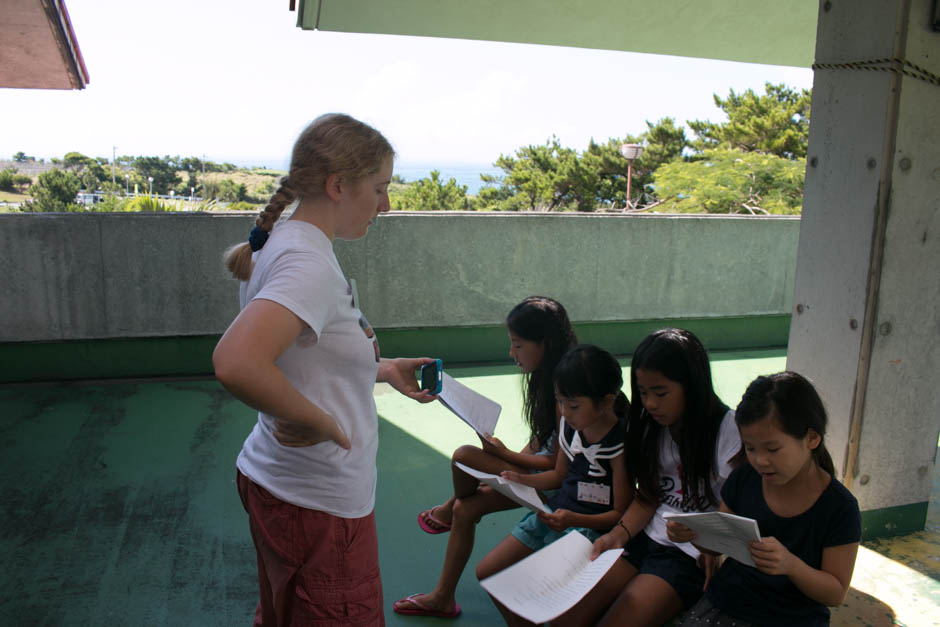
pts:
[630, 152]
[150, 188]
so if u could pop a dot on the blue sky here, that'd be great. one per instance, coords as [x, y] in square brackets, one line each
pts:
[237, 80]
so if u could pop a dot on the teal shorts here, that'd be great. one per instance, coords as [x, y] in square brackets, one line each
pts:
[535, 534]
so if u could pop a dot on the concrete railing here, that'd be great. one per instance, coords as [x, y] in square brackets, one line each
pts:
[96, 276]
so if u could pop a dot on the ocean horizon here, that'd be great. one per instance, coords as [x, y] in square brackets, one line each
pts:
[464, 173]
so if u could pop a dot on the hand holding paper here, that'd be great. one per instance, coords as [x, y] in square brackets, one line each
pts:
[521, 494]
[721, 532]
[549, 582]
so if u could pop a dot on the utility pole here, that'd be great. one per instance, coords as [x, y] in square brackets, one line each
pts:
[630, 152]
[113, 152]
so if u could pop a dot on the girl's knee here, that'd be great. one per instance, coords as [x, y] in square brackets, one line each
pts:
[466, 512]
[488, 565]
[483, 570]
[460, 510]
[466, 453]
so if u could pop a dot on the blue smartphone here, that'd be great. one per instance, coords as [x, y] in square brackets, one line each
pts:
[432, 376]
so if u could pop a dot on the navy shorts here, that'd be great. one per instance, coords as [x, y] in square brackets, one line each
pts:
[668, 563]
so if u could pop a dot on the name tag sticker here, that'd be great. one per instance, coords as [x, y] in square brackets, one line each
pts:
[594, 493]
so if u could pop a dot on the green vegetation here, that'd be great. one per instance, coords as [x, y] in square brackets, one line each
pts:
[213, 186]
[54, 190]
[775, 123]
[10, 181]
[732, 181]
[753, 163]
[430, 194]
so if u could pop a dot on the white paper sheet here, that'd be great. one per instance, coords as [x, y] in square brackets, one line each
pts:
[720, 532]
[549, 582]
[524, 495]
[472, 407]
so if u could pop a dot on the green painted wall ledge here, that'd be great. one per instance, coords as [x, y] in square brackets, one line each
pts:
[191, 356]
[894, 521]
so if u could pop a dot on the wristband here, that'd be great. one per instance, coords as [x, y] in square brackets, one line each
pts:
[624, 527]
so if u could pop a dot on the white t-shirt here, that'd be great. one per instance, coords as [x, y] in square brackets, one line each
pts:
[333, 363]
[727, 445]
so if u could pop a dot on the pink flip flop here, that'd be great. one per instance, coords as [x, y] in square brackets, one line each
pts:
[439, 526]
[420, 609]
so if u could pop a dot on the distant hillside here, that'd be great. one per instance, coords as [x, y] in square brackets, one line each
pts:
[31, 168]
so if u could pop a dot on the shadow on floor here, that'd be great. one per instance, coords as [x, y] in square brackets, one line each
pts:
[119, 507]
[863, 609]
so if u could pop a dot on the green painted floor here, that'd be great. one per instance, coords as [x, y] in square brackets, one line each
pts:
[119, 505]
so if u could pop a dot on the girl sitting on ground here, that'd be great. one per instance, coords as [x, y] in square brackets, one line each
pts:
[680, 444]
[809, 523]
[590, 473]
[539, 334]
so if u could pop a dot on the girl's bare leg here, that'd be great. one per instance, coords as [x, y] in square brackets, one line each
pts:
[505, 554]
[646, 600]
[589, 609]
[467, 512]
[464, 484]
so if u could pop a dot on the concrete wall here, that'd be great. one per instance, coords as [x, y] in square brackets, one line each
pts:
[93, 276]
[866, 326]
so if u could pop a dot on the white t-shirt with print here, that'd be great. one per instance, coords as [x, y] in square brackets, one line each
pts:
[333, 363]
[727, 445]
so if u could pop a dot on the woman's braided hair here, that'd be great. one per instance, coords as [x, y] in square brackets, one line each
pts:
[334, 143]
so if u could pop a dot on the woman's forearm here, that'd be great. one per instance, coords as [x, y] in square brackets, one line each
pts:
[386, 369]
[265, 387]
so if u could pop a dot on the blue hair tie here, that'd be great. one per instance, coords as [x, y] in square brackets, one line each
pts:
[257, 238]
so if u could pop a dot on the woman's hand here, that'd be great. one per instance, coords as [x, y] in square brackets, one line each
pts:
[771, 557]
[294, 434]
[606, 542]
[559, 520]
[678, 533]
[400, 374]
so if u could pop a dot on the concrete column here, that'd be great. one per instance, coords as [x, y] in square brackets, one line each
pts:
[866, 323]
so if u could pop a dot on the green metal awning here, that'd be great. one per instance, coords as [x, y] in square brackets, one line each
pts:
[773, 33]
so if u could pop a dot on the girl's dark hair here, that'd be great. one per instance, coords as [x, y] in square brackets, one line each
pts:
[588, 370]
[544, 320]
[792, 401]
[679, 356]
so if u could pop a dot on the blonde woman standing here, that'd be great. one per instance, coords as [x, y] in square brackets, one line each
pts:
[303, 355]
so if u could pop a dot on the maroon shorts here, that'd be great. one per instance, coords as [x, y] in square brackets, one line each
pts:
[314, 568]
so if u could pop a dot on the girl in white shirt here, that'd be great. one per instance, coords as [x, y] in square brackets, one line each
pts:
[680, 441]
